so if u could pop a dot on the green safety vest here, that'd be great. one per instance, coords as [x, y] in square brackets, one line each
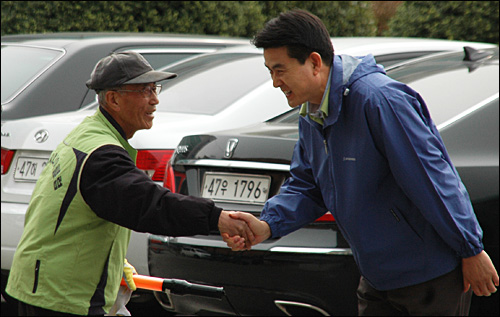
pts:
[69, 259]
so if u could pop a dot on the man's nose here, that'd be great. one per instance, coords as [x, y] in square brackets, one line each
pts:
[277, 82]
[154, 99]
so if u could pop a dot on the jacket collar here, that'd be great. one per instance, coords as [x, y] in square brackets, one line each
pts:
[345, 71]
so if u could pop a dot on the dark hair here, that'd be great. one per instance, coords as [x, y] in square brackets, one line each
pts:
[300, 32]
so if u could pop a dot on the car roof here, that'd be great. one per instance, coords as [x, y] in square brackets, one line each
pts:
[104, 36]
[354, 45]
[129, 41]
[400, 43]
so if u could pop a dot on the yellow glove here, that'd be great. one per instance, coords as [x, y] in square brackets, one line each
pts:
[128, 272]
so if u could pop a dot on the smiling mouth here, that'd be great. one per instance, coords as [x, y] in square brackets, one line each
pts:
[287, 92]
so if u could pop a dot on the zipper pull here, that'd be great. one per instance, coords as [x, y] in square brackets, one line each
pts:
[326, 147]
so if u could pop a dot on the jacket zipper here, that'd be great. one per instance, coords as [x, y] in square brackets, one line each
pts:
[37, 271]
[395, 216]
[326, 146]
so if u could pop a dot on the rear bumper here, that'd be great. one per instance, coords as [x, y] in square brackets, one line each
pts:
[258, 282]
[12, 228]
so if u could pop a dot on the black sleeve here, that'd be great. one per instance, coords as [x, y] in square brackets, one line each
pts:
[116, 190]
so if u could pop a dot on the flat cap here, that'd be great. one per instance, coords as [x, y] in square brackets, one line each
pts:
[124, 68]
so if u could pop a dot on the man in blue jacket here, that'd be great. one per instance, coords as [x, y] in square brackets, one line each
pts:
[416, 239]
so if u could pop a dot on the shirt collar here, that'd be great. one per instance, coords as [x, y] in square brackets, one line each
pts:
[322, 112]
[113, 122]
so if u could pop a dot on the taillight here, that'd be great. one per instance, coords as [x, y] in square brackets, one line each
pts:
[173, 180]
[169, 178]
[153, 162]
[328, 217]
[7, 156]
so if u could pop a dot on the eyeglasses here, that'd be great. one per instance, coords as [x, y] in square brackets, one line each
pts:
[146, 91]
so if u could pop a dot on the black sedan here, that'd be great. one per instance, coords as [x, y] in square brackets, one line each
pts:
[311, 271]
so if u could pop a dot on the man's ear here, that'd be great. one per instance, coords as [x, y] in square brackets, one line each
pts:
[112, 100]
[316, 61]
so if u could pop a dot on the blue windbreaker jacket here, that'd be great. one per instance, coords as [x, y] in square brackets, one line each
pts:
[379, 165]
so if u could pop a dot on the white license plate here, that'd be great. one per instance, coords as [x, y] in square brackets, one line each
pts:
[29, 168]
[236, 187]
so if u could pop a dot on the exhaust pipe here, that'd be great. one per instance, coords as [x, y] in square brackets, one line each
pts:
[299, 309]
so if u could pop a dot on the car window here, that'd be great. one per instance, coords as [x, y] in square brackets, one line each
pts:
[391, 59]
[215, 82]
[22, 64]
[291, 116]
[157, 60]
[450, 86]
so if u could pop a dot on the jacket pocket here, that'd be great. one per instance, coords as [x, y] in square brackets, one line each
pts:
[37, 272]
[398, 215]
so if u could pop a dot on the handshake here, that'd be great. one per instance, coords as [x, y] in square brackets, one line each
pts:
[241, 230]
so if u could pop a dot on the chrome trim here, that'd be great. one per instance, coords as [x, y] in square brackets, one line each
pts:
[281, 304]
[230, 147]
[168, 49]
[237, 164]
[41, 136]
[467, 112]
[327, 251]
[167, 303]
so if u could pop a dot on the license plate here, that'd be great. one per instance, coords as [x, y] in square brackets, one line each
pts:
[29, 168]
[236, 187]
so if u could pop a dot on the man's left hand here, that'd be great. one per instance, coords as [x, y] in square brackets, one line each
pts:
[128, 275]
[480, 274]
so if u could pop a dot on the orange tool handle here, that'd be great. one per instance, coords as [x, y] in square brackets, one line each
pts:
[147, 282]
[175, 286]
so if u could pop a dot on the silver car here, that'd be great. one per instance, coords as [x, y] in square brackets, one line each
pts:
[46, 74]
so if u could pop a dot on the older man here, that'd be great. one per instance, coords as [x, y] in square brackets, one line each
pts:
[91, 194]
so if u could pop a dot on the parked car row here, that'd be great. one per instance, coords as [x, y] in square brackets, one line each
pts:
[223, 89]
[312, 270]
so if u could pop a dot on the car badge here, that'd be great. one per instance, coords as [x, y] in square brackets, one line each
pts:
[230, 147]
[182, 149]
[41, 136]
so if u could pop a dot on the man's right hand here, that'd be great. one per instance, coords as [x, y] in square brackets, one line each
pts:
[233, 227]
[261, 231]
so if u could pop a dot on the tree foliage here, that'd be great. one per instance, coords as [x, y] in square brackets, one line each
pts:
[453, 20]
[341, 18]
[230, 18]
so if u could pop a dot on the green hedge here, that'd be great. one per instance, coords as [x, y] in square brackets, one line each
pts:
[230, 18]
[453, 20]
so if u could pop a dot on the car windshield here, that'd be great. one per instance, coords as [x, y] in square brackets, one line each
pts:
[23, 64]
[209, 84]
[449, 85]
[445, 85]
